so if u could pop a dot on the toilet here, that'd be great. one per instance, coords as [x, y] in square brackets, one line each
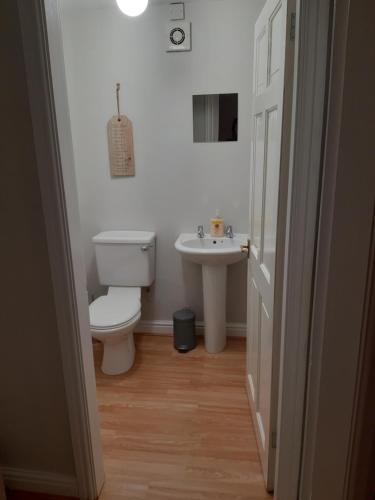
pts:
[125, 262]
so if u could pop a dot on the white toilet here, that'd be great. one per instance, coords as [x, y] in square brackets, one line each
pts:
[126, 262]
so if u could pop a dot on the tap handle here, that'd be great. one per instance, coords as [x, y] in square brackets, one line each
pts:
[229, 231]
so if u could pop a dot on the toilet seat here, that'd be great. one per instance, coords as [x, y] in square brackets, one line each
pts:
[120, 307]
[114, 329]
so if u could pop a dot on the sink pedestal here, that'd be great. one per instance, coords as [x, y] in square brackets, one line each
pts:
[214, 299]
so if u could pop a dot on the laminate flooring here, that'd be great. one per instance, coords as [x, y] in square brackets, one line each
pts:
[178, 426]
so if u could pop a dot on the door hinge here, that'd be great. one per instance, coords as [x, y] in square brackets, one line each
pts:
[274, 439]
[293, 26]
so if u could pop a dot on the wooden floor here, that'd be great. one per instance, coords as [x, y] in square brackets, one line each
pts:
[178, 427]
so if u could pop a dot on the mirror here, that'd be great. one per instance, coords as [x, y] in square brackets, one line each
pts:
[215, 117]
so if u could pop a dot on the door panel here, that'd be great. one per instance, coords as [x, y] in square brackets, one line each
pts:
[265, 341]
[253, 347]
[271, 191]
[276, 32]
[257, 191]
[267, 223]
[261, 58]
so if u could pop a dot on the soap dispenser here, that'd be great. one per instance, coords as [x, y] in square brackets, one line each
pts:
[217, 226]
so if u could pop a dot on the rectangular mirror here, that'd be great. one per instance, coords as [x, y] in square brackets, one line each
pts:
[215, 117]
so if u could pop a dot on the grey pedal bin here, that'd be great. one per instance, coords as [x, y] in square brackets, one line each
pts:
[184, 330]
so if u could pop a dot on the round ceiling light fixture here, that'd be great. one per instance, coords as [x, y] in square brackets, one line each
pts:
[132, 8]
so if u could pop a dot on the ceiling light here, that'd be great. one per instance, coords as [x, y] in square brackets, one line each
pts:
[132, 7]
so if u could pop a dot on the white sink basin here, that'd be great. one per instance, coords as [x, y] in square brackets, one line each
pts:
[211, 251]
[215, 254]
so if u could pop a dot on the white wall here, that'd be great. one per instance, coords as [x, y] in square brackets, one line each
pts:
[178, 184]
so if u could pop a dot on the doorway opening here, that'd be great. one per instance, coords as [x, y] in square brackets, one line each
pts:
[88, 88]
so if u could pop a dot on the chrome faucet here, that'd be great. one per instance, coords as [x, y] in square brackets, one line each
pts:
[200, 232]
[229, 232]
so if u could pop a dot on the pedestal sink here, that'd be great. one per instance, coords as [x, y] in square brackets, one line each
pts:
[214, 254]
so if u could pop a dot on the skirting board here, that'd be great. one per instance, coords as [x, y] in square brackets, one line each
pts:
[40, 482]
[166, 328]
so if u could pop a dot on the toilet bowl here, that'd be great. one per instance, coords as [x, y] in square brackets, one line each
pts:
[125, 262]
[113, 318]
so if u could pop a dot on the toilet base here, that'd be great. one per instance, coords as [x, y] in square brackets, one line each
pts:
[118, 357]
[118, 347]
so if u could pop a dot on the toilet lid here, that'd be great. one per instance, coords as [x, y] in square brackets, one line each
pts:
[113, 310]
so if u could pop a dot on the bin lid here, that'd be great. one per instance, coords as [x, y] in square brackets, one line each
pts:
[184, 315]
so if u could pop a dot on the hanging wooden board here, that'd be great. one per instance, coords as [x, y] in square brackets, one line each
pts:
[120, 146]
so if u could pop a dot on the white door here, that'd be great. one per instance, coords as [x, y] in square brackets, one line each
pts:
[269, 175]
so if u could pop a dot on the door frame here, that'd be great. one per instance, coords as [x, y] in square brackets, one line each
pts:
[307, 143]
[40, 30]
[51, 125]
[339, 464]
